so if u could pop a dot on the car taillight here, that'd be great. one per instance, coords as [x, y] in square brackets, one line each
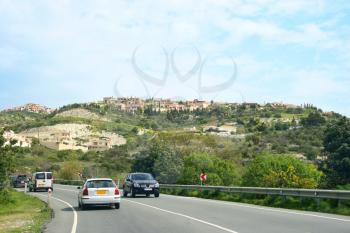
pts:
[116, 191]
[85, 192]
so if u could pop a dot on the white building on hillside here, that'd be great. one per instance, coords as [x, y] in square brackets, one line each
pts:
[21, 141]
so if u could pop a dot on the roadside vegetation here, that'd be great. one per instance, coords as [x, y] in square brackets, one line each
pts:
[22, 213]
[18, 212]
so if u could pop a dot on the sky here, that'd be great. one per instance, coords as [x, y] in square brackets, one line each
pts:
[62, 52]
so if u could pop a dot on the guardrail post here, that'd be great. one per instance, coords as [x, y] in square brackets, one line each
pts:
[318, 203]
[25, 187]
[317, 199]
[339, 203]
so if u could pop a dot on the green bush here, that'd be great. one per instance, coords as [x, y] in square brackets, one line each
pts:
[219, 172]
[282, 171]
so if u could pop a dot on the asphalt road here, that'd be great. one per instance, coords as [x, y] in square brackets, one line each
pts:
[169, 214]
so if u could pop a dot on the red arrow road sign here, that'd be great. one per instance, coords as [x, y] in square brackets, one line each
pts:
[203, 176]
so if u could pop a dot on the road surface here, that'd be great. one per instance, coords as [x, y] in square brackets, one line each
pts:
[170, 214]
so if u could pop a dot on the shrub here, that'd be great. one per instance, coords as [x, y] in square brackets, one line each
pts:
[219, 172]
[282, 171]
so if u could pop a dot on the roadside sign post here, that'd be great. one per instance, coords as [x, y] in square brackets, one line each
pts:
[25, 187]
[49, 193]
[203, 177]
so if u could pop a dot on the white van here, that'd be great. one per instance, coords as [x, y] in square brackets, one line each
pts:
[41, 181]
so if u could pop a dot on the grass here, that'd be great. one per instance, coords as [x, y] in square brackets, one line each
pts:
[307, 204]
[23, 213]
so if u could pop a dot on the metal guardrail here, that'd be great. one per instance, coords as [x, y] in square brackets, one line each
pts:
[307, 193]
[302, 193]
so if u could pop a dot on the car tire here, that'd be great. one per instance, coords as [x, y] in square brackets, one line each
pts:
[117, 206]
[133, 194]
[147, 195]
[156, 194]
[125, 193]
[34, 190]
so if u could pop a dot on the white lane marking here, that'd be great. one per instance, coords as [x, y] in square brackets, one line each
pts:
[262, 208]
[185, 216]
[75, 220]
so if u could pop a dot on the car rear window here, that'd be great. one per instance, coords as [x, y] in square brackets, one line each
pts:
[142, 176]
[40, 176]
[100, 184]
[48, 175]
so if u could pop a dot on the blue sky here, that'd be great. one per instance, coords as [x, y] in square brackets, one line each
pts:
[61, 52]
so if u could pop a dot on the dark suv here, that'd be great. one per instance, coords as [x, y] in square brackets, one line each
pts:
[20, 181]
[140, 183]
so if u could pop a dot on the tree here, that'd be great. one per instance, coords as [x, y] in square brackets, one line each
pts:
[168, 166]
[337, 149]
[116, 160]
[220, 172]
[7, 166]
[281, 171]
[313, 119]
[70, 170]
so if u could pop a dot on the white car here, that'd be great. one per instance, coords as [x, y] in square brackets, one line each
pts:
[99, 191]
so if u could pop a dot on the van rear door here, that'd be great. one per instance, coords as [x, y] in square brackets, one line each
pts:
[48, 179]
[40, 180]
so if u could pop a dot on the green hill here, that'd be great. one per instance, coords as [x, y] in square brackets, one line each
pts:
[232, 134]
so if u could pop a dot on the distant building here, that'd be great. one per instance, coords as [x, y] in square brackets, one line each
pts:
[35, 108]
[130, 104]
[100, 144]
[196, 104]
[224, 130]
[21, 141]
[282, 105]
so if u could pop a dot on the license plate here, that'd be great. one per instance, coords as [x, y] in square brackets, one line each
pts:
[148, 189]
[22, 182]
[101, 192]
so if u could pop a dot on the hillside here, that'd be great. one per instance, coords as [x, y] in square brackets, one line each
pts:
[81, 113]
[102, 139]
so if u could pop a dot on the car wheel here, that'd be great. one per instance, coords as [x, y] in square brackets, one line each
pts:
[133, 194]
[34, 189]
[125, 193]
[147, 195]
[117, 206]
[156, 194]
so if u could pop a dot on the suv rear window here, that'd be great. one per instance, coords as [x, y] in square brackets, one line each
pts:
[40, 176]
[21, 177]
[49, 176]
[100, 184]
